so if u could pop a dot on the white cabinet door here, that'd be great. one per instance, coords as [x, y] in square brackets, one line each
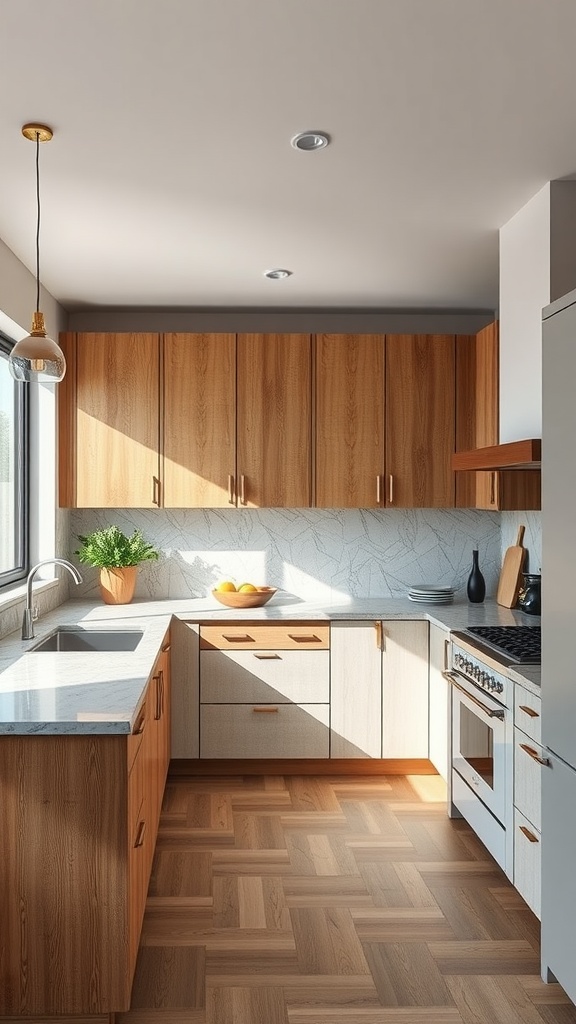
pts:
[558, 888]
[356, 685]
[404, 689]
[439, 700]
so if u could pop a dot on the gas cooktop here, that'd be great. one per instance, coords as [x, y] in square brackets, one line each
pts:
[520, 643]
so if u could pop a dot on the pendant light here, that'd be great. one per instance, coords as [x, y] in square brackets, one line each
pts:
[37, 357]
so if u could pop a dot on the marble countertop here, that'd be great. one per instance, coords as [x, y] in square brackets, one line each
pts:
[101, 692]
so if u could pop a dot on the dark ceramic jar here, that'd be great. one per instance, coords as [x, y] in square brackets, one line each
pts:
[529, 596]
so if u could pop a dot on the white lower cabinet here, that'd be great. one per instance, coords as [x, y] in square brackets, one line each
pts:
[439, 696]
[379, 689]
[528, 759]
[265, 691]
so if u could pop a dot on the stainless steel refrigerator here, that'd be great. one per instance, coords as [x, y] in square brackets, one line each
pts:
[559, 642]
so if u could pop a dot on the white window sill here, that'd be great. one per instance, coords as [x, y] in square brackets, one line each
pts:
[17, 594]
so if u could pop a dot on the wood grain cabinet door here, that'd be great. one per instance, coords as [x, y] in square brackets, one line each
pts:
[349, 432]
[117, 421]
[420, 383]
[274, 420]
[199, 420]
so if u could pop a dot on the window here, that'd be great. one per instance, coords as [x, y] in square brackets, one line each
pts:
[13, 472]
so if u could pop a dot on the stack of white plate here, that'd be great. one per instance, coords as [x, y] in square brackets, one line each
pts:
[429, 593]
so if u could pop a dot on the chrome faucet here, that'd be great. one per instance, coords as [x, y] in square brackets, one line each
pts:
[30, 613]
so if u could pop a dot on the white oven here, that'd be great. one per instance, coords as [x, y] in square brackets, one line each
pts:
[482, 749]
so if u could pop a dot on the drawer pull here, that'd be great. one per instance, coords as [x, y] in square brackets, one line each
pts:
[379, 635]
[265, 711]
[158, 711]
[305, 639]
[139, 727]
[529, 835]
[267, 657]
[535, 755]
[528, 711]
[246, 639]
[166, 647]
[140, 834]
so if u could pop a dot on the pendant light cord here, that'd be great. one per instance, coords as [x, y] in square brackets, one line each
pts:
[38, 222]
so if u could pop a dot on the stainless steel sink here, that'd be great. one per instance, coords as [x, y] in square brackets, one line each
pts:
[74, 638]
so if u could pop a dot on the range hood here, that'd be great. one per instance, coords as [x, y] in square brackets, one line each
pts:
[513, 455]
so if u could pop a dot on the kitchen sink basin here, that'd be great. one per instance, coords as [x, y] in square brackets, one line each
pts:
[74, 638]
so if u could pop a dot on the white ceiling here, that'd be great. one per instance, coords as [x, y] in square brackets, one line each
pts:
[171, 181]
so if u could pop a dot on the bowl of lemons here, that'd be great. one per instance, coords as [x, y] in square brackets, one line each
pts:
[245, 596]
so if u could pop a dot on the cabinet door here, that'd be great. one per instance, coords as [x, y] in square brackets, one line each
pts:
[117, 421]
[274, 420]
[439, 702]
[349, 449]
[404, 689]
[420, 429]
[199, 420]
[356, 689]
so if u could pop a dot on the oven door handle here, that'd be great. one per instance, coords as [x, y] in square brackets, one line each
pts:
[451, 677]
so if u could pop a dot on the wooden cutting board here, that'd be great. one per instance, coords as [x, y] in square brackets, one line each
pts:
[511, 573]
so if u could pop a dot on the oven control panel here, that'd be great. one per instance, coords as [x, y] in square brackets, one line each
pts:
[479, 673]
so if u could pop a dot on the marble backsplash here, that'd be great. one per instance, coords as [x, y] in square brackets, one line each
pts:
[317, 554]
[510, 521]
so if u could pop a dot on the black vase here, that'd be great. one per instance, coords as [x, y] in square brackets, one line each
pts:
[476, 586]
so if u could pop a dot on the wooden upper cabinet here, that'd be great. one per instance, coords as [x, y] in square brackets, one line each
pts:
[274, 420]
[112, 458]
[477, 426]
[420, 379]
[349, 420]
[199, 420]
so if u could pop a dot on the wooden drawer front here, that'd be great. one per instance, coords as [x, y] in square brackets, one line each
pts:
[264, 730]
[527, 861]
[239, 636]
[265, 677]
[528, 777]
[527, 712]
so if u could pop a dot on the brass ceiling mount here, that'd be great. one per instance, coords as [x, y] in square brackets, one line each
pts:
[41, 131]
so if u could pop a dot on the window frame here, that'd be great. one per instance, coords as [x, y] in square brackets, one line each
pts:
[22, 468]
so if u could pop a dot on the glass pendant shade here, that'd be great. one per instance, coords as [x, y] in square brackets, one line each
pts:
[37, 357]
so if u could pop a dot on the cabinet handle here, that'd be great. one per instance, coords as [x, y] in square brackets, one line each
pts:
[161, 693]
[304, 639]
[231, 495]
[155, 491]
[158, 711]
[246, 639]
[390, 489]
[139, 727]
[492, 488]
[446, 650]
[140, 834]
[265, 711]
[166, 647]
[535, 755]
[267, 657]
[378, 490]
[529, 711]
[379, 634]
[529, 835]
[243, 489]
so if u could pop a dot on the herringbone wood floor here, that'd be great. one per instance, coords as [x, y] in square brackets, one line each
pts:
[308, 900]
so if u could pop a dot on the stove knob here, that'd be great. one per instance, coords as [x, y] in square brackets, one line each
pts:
[491, 683]
[484, 679]
[477, 672]
[499, 687]
[460, 660]
[468, 666]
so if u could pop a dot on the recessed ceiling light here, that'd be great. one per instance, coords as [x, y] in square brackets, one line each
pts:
[277, 274]
[310, 141]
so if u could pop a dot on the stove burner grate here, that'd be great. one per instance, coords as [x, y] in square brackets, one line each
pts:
[522, 643]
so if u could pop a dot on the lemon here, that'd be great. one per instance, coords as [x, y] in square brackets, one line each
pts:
[247, 588]
[226, 586]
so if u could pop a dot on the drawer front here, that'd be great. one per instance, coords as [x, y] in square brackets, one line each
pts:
[265, 677]
[527, 861]
[264, 730]
[239, 636]
[527, 712]
[528, 777]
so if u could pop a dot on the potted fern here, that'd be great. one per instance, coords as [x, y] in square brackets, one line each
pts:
[117, 557]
